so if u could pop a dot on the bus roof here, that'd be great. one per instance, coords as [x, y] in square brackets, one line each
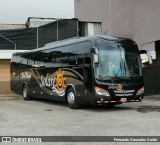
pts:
[91, 39]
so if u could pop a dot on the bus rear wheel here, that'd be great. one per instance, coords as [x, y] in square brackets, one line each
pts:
[25, 93]
[71, 99]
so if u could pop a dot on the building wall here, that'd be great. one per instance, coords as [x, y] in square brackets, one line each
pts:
[136, 19]
[4, 70]
[5, 77]
[94, 11]
[121, 18]
[146, 21]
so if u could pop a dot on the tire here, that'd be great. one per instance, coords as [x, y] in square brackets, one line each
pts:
[25, 93]
[72, 99]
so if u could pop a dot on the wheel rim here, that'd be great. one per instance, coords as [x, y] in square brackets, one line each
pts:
[71, 97]
[24, 92]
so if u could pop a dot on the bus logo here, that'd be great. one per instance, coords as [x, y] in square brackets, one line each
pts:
[119, 87]
[59, 85]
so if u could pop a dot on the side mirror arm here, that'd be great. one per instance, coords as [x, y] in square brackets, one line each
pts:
[94, 50]
[148, 54]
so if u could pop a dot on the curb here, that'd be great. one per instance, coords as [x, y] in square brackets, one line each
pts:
[10, 97]
[153, 97]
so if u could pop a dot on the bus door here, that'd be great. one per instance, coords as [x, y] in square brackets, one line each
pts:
[88, 76]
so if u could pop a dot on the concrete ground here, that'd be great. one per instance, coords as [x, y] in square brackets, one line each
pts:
[49, 118]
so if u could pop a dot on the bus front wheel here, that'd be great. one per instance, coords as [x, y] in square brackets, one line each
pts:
[25, 93]
[71, 99]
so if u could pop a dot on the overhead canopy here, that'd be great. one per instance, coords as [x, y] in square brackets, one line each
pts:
[31, 38]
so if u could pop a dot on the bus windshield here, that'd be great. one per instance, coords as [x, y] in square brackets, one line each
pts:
[116, 61]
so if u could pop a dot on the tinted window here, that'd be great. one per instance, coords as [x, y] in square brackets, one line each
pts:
[70, 54]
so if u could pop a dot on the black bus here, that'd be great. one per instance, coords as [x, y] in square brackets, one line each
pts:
[87, 70]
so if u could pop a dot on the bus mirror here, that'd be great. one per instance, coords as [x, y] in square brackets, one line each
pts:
[150, 59]
[95, 58]
[148, 54]
[94, 50]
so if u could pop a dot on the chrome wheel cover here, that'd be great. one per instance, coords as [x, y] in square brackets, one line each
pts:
[25, 92]
[71, 98]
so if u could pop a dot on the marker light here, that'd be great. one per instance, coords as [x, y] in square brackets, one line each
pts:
[101, 91]
[140, 91]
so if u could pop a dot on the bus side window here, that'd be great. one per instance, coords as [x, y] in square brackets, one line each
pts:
[60, 57]
[38, 57]
[14, 67]
[30, 58]
[48, 57]
[23, 63]
[87, 61]
[72, 58]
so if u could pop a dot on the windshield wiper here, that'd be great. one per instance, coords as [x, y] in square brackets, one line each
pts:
[116, 75]
[134, 75]
[104, 77]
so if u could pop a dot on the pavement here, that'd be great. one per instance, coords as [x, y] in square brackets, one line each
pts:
[50, 118]
[15, 96]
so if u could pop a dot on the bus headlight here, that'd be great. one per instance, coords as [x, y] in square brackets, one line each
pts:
[101, 91]
[140, 91]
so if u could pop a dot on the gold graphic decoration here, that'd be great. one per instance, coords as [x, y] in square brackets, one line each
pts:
[59, 83]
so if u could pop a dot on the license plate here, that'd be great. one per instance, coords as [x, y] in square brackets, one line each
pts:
[123, 99]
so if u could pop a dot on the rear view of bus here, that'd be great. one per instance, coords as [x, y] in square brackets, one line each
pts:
[118, 72]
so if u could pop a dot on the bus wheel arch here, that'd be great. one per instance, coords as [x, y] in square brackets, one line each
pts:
[67, 88]
[71, 97]
[25, 92]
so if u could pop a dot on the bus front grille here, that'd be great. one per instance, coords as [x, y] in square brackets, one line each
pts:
[123, 93]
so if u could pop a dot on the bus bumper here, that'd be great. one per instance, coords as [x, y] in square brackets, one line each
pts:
[122, 100]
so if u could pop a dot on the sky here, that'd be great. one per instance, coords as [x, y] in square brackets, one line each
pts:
[17, 11]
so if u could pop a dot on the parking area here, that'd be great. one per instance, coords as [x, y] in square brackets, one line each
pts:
[49, 118]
